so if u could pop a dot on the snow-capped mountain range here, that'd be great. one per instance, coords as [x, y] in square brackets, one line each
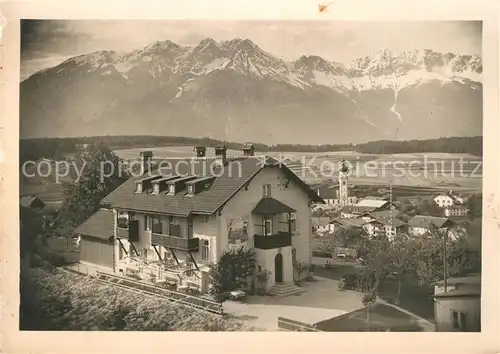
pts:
[234, 87]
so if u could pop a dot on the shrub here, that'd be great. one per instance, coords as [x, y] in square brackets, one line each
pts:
[358, 281]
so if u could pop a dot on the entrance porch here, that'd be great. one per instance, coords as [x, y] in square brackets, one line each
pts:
[273, 225]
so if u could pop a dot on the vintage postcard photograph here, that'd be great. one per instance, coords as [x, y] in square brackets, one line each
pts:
[251, 175]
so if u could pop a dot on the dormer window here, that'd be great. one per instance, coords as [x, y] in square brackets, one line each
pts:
[156, 188]
[138, 187]
[191, 190]
[171, 189]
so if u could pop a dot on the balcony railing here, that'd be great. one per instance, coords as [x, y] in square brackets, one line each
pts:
[280, 239]
[185, 244]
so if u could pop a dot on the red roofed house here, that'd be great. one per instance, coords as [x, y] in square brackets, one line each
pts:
[166, 223]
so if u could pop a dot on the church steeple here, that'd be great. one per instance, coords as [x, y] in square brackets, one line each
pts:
[343, 176]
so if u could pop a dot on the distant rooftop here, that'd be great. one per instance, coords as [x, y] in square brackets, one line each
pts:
[373, 203]
[425, 222]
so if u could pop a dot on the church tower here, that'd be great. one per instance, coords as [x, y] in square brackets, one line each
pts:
[343, 176]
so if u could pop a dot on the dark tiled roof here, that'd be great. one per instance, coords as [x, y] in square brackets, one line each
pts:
[320, 221]
[385, 214]
[357, 222]
[29, 200]
[327, 191]
[382, 318]
[207, 201]
[99, 225]
[423, 221]
[466, 279]
[357, 209]
[387, 221]
[473, 291]
[270, 206]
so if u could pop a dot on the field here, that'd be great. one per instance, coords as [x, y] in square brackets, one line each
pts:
[413, 173]
[434, 171]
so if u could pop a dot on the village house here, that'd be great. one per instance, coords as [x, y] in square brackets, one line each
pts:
[322, 225]
[364, 206]
[458, 308]
[422, 224]
[169, 226]
[356, 223]
[456, 210]
[444, 200]
[32, 202]
[388, 222]
[449, 199]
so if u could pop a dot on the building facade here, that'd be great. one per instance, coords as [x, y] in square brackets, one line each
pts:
[172, 226]
[458, 308]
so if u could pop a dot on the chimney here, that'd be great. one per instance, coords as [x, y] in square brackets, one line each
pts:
[248, 150]
[220, 153]
[200, 151]
[146, 160]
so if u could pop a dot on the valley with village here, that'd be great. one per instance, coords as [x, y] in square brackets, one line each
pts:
[372, 249]
[190, 175]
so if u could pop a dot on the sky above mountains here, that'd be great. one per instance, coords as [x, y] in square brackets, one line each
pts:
[46, 43]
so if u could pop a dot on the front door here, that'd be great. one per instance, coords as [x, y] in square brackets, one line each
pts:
[278, 268]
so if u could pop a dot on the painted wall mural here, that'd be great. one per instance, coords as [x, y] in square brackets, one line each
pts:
[238, 230]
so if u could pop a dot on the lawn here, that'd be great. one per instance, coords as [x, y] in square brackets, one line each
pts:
[414, 298]
[55, 300]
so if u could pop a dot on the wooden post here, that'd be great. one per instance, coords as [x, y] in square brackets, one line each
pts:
[445, 261]
[368, 318]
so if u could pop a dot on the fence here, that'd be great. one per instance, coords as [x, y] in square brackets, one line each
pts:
[292, 325]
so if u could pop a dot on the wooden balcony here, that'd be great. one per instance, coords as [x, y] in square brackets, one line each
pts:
[131, 233]
[280, 239]
[185, 244]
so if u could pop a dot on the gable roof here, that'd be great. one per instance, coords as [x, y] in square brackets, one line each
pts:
[270, 206]
[424, 221]
[466, 279]
[384, 214]
[326, 191]
[320, 221]
[474, 291]
[371, 203]
[229, 180]
[99, 225]
[382, 318]
[355, 222]
[387, 222]
[31, 200]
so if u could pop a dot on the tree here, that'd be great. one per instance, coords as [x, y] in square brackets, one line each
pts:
[101, 175]
[429, 261]
[428, 207]
[326, 243]
[375, 257]
[31, 224]
[401, 258]
[233, 270]
[475, 205]
[348, 237]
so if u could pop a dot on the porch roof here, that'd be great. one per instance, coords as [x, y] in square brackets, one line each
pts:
[271, 206]
[99, 225]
